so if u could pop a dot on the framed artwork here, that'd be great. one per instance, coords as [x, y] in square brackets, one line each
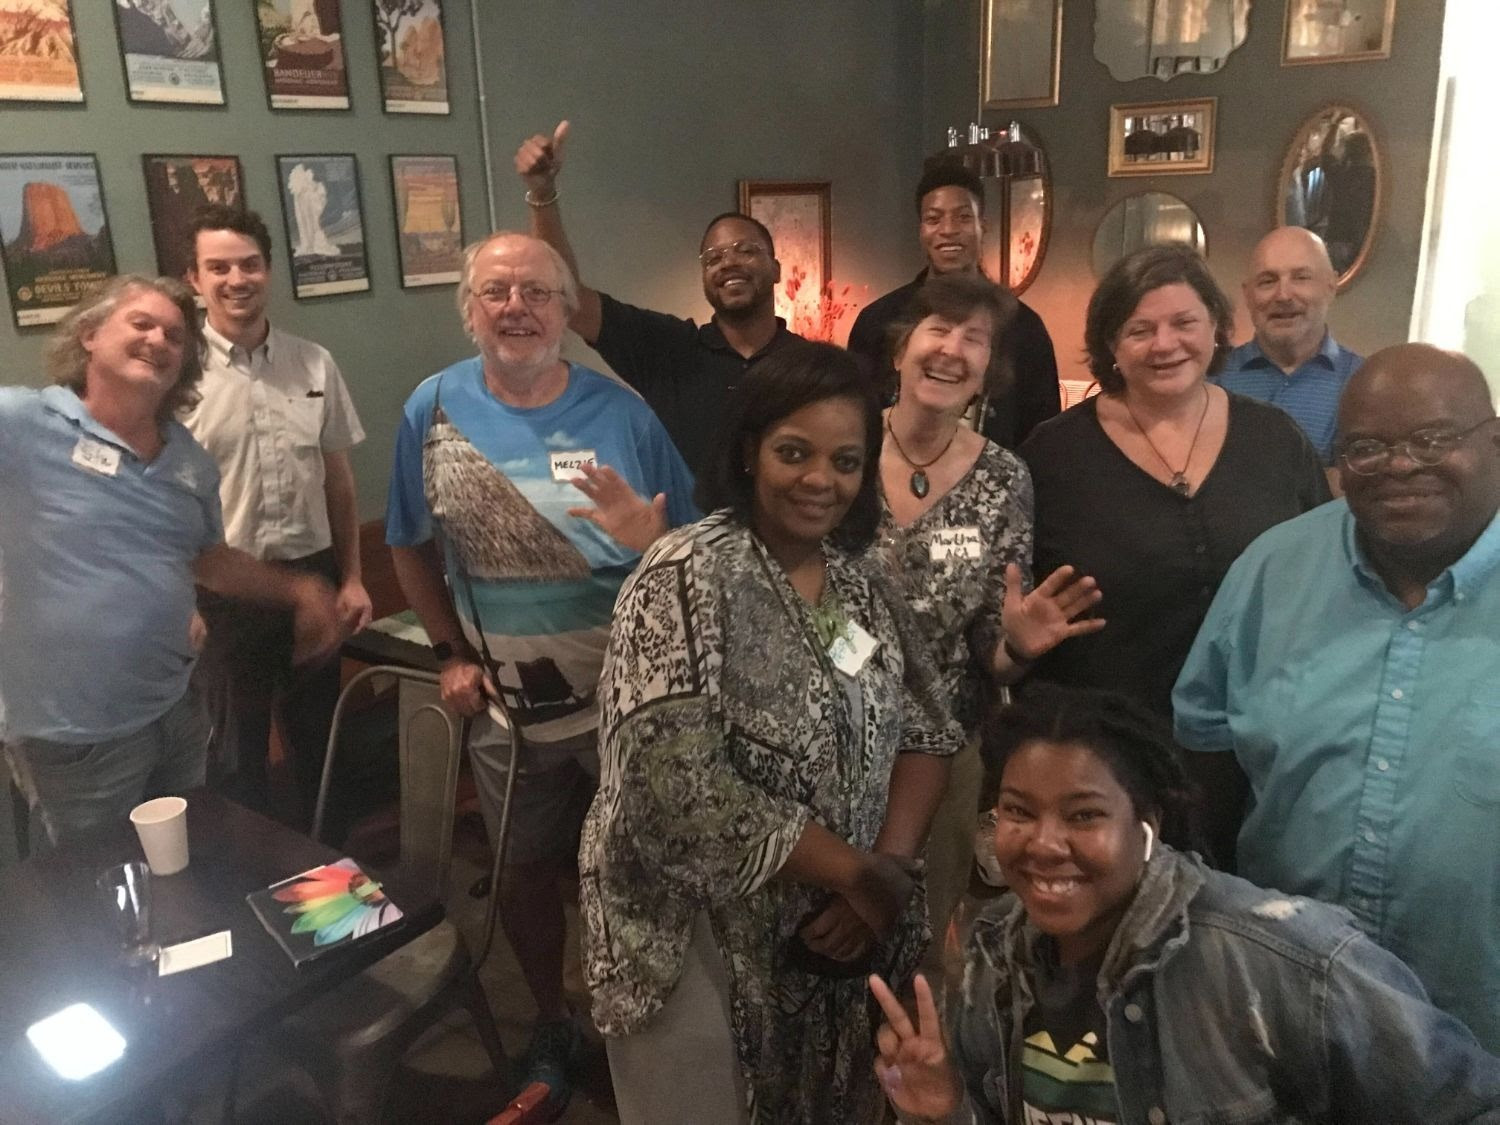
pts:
[38, 52]
[1020, 53]
[797, 213]
[1331, 182]
[325, 227]
[412, 55]
[1162, 138]
[1318, 31]
[54, 235]
[429, 220]
[176, 186]
[302, 54]
[170, 51]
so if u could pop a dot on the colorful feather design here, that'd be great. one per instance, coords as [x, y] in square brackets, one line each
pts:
[335, 902]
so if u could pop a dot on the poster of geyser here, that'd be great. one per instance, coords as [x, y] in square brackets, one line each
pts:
[324, 225]
[38, 52]
[171, 51]
[302, 49]
[429, 223]
[53, 233]
[413, 69]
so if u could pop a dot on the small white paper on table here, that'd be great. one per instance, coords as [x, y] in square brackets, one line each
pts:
[194, 954]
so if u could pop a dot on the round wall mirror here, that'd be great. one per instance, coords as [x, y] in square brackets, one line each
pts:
[1148, 219]
[1165, 38]
[1330, 183]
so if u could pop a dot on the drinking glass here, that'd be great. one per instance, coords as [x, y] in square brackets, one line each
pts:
[127, 889]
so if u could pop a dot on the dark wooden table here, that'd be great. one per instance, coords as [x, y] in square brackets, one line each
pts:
[57, 948]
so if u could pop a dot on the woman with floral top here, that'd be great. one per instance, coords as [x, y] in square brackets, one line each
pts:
[742, 863]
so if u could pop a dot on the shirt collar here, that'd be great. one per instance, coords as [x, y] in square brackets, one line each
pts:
[1328, 352]
[711, 336]
[65, 402]
[223, 350]
[1480, 563]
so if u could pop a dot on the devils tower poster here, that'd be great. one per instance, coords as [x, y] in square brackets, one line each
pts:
[53, 233]
[38, 55]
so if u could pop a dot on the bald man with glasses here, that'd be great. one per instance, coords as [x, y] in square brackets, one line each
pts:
[1347, 671]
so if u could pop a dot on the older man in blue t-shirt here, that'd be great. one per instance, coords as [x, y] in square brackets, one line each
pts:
[1292, 361]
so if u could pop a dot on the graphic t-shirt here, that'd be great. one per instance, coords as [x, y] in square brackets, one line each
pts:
[1066, 1078]
[540, 583]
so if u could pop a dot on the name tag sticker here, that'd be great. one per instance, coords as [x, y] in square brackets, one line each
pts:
[851, 648]
[96, 457]
[194, 954]
[955, 543]
[569, 466]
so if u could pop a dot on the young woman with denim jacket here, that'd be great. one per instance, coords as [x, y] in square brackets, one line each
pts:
[1206, 999]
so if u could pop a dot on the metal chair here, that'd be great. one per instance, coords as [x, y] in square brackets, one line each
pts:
[351, 1041]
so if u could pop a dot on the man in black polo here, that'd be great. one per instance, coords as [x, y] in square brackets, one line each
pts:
[685, 372]
[1023, 367]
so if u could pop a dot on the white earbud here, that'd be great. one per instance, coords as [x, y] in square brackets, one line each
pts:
[1150, 840]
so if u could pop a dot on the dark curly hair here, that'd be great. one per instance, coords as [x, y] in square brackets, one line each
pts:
[1131, 740]
[947, 172]
[793, 376]
[218, 216]
[1122, 289]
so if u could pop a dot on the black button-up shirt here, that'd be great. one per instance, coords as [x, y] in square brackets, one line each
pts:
[685, 372]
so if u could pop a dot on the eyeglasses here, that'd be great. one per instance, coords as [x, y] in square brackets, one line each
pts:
[745, 250]
[1367, 456]
[533, 293]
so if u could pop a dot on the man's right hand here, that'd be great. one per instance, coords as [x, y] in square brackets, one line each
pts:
[464, 686]
[539, 159]
[881, 890]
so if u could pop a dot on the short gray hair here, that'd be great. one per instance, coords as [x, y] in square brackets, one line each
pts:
[566, 281]
[68, 359]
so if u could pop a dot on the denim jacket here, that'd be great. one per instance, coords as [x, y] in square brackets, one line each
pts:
[1227, 1003]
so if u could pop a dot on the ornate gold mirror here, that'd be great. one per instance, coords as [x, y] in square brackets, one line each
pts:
[1330, 183]
[1148, 219]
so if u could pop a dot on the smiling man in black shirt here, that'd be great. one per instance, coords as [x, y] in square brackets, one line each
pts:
[686, 372]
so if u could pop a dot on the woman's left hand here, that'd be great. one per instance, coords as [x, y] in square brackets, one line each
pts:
[1038, 622]
[619, 511]
[837, 932]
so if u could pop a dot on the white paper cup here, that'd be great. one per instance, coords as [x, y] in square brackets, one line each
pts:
[162, 826]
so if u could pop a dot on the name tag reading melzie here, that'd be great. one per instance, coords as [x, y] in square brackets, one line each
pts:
[569, 465]
[96, 457]
[955, 543]
[851, 648]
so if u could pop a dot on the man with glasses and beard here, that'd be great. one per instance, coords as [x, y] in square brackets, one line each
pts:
[685, 371]
[1347, 669]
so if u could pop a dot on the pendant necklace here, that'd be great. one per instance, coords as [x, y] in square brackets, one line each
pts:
[1178, 482]
[919, 484]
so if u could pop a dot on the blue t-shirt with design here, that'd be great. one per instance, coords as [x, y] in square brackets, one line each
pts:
[497, 478]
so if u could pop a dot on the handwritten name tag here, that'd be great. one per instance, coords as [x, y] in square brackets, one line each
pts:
[569, 466]
[96, 457]
[955, 543]
[851, 648]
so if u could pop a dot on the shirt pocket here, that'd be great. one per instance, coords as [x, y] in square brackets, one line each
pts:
[303, 418]
[1478, 761]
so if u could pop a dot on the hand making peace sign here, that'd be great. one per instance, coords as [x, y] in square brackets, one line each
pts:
[913, 1065]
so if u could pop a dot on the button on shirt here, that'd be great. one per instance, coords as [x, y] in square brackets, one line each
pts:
[268, 416]
[1310, 394]
[1371, 737]
[96, 555]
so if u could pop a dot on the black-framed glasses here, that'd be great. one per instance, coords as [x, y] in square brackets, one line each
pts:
[533, 293]
[746, 250]
[1368, 456]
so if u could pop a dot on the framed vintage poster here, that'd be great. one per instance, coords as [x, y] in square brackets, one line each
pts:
[325, 227]
[412, 58]
[170, 50]
[1348, 31]
[797, 213]
[1020, 55]
[302, 54]
[176, 186]
[1162, 138]
[38, 52]
[429, 220]
[54, 236]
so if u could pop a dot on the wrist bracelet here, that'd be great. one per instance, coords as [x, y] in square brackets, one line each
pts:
[548, 202]
[1015, 657]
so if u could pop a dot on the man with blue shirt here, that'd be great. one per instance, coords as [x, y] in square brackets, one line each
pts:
[1293, 361]
[491, 453]
[109, 512]
[1349, 666]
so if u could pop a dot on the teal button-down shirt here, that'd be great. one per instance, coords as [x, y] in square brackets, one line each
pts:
[1371, 737]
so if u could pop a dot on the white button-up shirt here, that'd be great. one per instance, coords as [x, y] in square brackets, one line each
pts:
[268, 416]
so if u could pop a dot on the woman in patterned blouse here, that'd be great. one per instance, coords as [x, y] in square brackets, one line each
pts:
[741, 863]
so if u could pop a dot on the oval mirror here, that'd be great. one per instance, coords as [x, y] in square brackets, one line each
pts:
[1165, 38]
[1330, 183]
[1148, 219]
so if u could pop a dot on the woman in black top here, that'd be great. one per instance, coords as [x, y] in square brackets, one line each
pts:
[1157, 484]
